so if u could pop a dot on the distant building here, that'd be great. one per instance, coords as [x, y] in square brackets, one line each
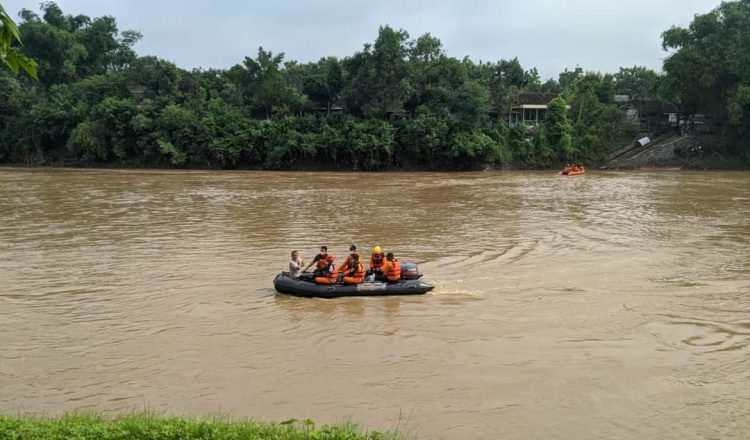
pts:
[530, 108]
[649, 113]
[322, 111]
[622, 99]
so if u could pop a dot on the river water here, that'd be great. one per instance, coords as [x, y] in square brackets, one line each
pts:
[611, 305]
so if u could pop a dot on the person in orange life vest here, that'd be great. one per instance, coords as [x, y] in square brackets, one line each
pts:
[392, 268]
[354, 272]
[377, 261]
[320, 262]
[352, 254]
[331, 274]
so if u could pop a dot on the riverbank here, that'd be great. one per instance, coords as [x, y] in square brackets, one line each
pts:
[302, 167]
[60, 159]
[713, 162]
[676, 151]
[670, 150]
[149, 425]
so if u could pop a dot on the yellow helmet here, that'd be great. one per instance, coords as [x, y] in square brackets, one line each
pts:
[377, 250]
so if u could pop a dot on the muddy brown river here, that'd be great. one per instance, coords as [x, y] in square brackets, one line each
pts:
[611, 305]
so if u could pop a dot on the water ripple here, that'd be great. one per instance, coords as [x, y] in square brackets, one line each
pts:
[622, 296]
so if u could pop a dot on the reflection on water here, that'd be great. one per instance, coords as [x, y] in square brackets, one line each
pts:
[607, 305]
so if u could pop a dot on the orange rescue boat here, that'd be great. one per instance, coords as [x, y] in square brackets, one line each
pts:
[572, 170]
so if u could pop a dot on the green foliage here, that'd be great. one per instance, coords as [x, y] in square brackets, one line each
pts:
[268, 93]
[175, 156]
[558, 129]
[397, 103]
[178, 134]
[86, 141]
[148, 426]
[150, 77]
[379, 75]
[53, 116]
[371, 144]
[423, 138]
[11, 56]
[709, 68]
[568, 81]
[471, 103]
[531, 152]
[477, 145]
[324, 83]
[280, 139]
[637, 82]
[228, 136]
[69, 48]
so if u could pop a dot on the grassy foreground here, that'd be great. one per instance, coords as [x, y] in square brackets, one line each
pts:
[152, 426]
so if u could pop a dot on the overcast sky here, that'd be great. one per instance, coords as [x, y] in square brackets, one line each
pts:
[549, 34]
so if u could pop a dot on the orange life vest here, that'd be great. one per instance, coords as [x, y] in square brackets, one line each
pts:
[349, 259]
[377, 261]
[394, 270]
[359, 275]
[332, 276]
[321, 262]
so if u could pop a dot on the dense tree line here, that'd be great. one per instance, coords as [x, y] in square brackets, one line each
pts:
[709, 70]
[397, 103]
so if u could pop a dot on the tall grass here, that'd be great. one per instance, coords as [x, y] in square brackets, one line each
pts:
[152, 426]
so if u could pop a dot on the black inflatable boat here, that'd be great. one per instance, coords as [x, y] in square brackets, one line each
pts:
[410, 284]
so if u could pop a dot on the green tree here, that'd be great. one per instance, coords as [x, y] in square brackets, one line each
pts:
[637, 82]
[568, 81]
[177, 135]
[263, 77]
[434, 77]
[379, 75]
[405, 101]
[150, 77]
[69, 47]
[471, 103]
[106, 50]
[591, 90]
[558, 129]
[86, 141]
[709, 66]
[423, 139]
[371, 143]
[531, 81]
[550, 86]
[325, 82]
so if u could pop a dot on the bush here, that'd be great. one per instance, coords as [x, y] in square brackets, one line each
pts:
[86, 141]
[175, 156]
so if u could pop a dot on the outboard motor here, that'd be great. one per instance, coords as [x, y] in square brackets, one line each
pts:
[410, 271]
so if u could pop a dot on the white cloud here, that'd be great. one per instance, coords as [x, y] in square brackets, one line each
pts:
[549, 34]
